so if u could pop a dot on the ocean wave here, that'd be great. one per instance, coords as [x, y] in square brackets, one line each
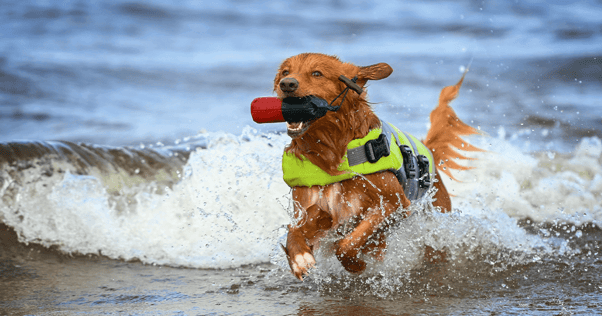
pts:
[218, 200]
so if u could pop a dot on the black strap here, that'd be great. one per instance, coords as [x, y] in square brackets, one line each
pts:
[372, 151]
[350, 83]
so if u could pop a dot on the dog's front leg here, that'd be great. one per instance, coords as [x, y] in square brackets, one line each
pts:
[348, 248]
[301, 238]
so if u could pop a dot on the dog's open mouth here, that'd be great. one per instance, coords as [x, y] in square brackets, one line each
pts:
[296, 129]
[301, 112]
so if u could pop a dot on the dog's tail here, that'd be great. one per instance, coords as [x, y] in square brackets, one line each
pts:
[443, 138]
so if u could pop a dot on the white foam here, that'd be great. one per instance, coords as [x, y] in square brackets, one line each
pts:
[224, 212]
[546, 187]
[231, 205]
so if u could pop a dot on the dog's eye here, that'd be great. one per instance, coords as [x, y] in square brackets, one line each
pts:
[316, 74]
[285, 72]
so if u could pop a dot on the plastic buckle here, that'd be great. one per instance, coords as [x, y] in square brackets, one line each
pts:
[425, 178]
[408, 162]
[377, 148]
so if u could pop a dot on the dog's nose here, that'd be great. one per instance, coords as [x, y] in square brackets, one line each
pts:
[289, 84]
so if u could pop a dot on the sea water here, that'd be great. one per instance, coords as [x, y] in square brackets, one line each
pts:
[133, 180]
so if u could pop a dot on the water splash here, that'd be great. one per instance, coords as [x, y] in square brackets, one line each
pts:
[226, 206]
[491, 231]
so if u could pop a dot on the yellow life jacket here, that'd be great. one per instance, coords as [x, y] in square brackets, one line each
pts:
[385, 148]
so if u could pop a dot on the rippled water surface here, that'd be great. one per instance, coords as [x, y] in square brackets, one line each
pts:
[133, 180]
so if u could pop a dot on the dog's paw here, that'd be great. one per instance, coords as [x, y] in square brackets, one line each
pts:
[300, 263]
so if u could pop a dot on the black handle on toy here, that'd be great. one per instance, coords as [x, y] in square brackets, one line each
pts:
[304, 109]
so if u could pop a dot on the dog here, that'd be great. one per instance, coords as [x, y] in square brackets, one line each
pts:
[367, 200]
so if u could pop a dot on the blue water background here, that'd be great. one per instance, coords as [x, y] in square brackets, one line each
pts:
[125, 73]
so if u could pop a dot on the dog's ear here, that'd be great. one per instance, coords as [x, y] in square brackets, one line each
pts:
[374, 72]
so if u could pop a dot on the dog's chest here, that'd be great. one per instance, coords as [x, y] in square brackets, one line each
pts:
[341, 204]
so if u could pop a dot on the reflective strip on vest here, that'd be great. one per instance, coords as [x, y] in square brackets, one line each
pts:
[422, 149]
[302, 172]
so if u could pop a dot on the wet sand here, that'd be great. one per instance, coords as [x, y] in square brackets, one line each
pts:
[44, 282]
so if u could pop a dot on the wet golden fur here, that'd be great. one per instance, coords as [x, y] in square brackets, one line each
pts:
[367, 200]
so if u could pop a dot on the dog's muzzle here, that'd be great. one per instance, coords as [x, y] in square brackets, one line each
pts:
[297, 110]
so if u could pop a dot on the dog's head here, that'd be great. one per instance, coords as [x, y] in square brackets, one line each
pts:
[318, 75]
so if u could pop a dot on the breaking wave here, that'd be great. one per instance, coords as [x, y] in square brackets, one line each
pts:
[217, 200]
